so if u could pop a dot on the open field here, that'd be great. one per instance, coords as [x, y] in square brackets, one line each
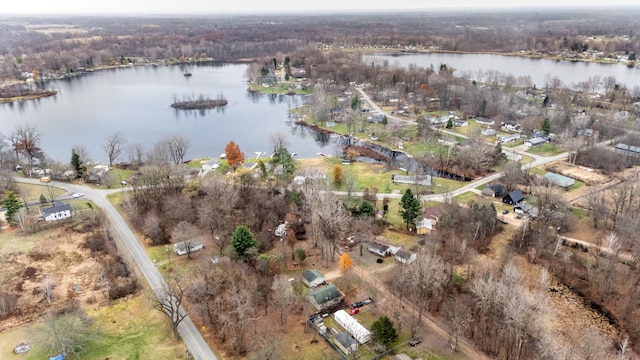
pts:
[120, 329]
[125, 329]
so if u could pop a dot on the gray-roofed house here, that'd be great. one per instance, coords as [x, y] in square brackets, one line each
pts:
[57, 212]
[378, 248]
[312, 278]
[628, 149]
[404, 257]
[346, 343]
[401, 357]
[324, 297]
[559, 180]
[536, 141]
[514, 197]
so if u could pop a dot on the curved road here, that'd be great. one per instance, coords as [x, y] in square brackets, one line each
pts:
[188, 331]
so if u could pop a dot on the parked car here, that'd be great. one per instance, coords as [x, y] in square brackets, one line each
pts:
[77, 195]
[415, 341]
[354, 311]
[356, 304]
[505, 211]
[367, 301]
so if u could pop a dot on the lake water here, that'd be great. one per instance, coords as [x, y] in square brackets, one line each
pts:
[136, 101]
[569, 72]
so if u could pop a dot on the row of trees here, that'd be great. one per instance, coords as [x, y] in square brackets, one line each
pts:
[123, 41]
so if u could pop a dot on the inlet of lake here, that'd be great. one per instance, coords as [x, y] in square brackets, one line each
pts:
[136, 101]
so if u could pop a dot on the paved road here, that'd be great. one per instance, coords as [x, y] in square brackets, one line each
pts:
[188, 331]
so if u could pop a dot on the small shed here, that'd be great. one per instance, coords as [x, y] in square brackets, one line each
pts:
[346, 343]
[324, 297]
[312, 278]
[536, 141]
[559, 180]
[404, 257]
[514, 197]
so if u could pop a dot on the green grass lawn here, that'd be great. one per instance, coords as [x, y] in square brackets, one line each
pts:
[33, 192]
[538, 171]
[577, 185]
[128, 329]
[548, 149]
[464, 198]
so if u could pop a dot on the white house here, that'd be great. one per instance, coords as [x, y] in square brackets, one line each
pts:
[484, 121]
[534, 141]
[488, 132]
[57, 212]
[352, 326]
[378, 248]
[345, 343]
[508, 138]
[181, 247]
[210, 165]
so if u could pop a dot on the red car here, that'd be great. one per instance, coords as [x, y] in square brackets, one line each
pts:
[354, 311]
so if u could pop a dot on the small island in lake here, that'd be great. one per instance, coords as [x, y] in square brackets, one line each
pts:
[201, 102]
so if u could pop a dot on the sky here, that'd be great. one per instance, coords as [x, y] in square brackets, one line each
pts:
[201, 7]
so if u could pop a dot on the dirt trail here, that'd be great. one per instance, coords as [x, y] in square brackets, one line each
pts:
[383, 300]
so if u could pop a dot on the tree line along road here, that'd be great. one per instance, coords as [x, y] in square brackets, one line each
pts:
[188, 332]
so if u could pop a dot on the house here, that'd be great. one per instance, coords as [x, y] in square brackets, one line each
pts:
[559, 180]
[484, 121]
[493, 190]
[377, 247]
[514, 197]
[460, 123]
[312, 278]
[352, 326]
[508, 138]
[535, 141]
[404, 257]
[324, 297]
[210, 165]
[488, 132]
[511, 127]
[424, 226]
[346, 343]
[181, 247]
[628, 149]
[58, 211]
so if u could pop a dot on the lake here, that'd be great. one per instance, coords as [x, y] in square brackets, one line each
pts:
[569, 72]
[136, 101]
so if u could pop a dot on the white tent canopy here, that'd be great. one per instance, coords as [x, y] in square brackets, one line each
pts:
[352, 326]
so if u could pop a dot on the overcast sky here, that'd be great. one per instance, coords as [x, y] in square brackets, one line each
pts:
[106, 7]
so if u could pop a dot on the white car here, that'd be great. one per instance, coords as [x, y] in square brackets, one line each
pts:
[77, 195]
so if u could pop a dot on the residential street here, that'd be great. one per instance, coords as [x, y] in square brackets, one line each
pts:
[188, 331]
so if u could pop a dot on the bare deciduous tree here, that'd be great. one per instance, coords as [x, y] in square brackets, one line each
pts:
[169, 301]
[176, 147]
[186, 233]
[47, 289]
[283, 297]
[113, 146]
